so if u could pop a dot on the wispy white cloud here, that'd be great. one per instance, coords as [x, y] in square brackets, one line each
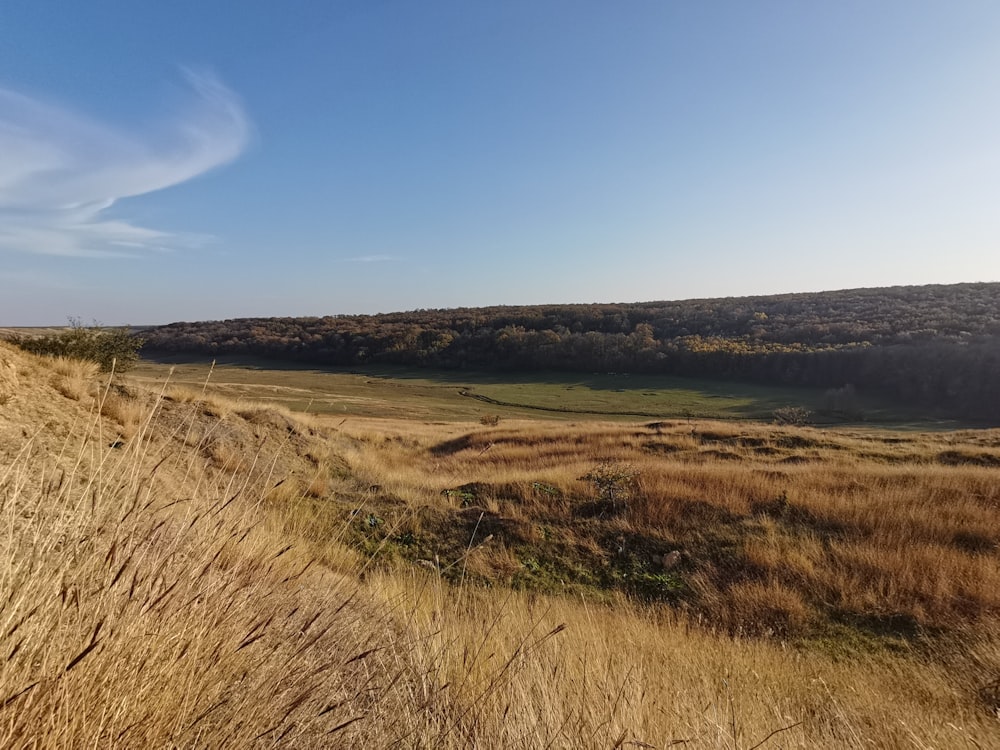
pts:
[60, 172]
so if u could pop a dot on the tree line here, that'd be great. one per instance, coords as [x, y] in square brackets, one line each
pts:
[936, 346]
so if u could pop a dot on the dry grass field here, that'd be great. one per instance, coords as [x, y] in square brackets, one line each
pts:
[777, 530]
[184, 570]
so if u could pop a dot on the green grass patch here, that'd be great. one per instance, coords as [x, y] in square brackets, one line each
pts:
[458, 395]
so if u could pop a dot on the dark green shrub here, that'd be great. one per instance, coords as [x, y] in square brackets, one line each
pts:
[111, 348]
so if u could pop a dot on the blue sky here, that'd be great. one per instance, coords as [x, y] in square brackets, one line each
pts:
[183, 160]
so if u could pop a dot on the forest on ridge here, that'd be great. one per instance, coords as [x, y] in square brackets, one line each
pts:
[934, 346]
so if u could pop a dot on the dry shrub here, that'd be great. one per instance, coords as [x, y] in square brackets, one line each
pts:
[125, 409]
[182, 394]
[74, 368]
[74, 378]
[77, 390]
[272, 414]
[314, 523]
[493, 561]
[9, 379]
[286, 490]
[319, 484]
[214, 405]
[762, 608]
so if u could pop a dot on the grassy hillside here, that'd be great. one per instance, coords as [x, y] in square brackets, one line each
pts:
[184, 569]
[788, 532]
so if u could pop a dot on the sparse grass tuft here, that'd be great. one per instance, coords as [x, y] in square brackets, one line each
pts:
[125, 409]
[74, 378]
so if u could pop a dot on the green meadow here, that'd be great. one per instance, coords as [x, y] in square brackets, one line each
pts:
[453, 395]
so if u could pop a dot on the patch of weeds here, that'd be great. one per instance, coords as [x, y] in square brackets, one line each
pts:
[895, 624]
[540, 572]
[843, 640]
[799, 441]
[406, 539]
[595, 509]
[970, 541]
[721, 455]
[664, 448]
[634, 574]
[340, 472]
[455, 445]
[989, 694]
[545, 489]
[653, 587]
[466, 497]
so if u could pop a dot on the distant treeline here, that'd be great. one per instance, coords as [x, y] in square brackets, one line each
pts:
[936, 346]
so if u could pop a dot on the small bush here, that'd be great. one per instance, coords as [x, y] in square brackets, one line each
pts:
[792, 415]
[111, 348]
[615, 483]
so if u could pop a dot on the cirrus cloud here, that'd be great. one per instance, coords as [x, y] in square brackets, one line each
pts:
[60, 171]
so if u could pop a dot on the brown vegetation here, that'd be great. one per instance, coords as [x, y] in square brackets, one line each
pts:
[151, 595]
[780, 528]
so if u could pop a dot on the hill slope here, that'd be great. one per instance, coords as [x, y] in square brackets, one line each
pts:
[148, 599]
[172, 576]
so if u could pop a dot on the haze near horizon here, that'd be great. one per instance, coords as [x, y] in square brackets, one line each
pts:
[187, 161]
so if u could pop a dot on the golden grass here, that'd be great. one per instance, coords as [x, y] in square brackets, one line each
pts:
[124, 409]
[135, 613]
[528, 671]
[74, 378]
[210, 403]
[150, 596]
[227, 456]
[771, 520]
